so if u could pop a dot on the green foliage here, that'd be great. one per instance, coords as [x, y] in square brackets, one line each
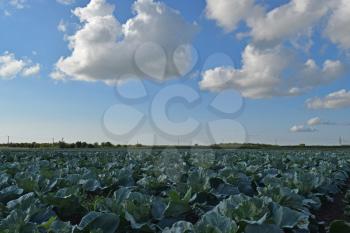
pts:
[104, 222]
[213, 222]
[171, 191]
[339, 226]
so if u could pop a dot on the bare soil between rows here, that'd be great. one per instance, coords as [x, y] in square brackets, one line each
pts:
[331, 211]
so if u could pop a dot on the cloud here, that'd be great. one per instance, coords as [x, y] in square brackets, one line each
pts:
[66, 2]
[8, 6]
[31, 70]
[310, 75]
[338, 29]
[7, 13]
[318, 121]
[62, 26]
[271, 72]
[302, 129]
[228, 13]
[314, 121]
[287, 21]
[19, 4]
[339, 99]
[58, 76]
[270, 64]
[10, 67]
[311, 123]
[103, 49]
[258, 77]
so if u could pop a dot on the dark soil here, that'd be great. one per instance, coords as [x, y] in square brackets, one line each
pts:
[331, 211]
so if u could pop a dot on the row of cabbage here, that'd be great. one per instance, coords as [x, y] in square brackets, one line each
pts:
[170, 191]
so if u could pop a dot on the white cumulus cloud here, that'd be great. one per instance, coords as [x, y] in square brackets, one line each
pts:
[314, 121]
[287, 21]
[338, 29]
[31, 70]
[106, 50]
[11, 67]
[267, 72]
[302, 129]
[270, 66]
[318, 121]
[339, 99]
[228, 13]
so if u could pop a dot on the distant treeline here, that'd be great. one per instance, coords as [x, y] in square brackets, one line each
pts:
[270, 146]
[79, 144]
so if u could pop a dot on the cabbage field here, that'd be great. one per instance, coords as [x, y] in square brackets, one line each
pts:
[170, 191]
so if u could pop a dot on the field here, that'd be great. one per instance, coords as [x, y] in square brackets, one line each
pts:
[173, 191]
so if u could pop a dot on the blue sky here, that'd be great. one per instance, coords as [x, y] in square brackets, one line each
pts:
[103, 70]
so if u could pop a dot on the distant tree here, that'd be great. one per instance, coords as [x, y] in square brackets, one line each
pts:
[62, 144]
[106, 144]
[78, 144]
